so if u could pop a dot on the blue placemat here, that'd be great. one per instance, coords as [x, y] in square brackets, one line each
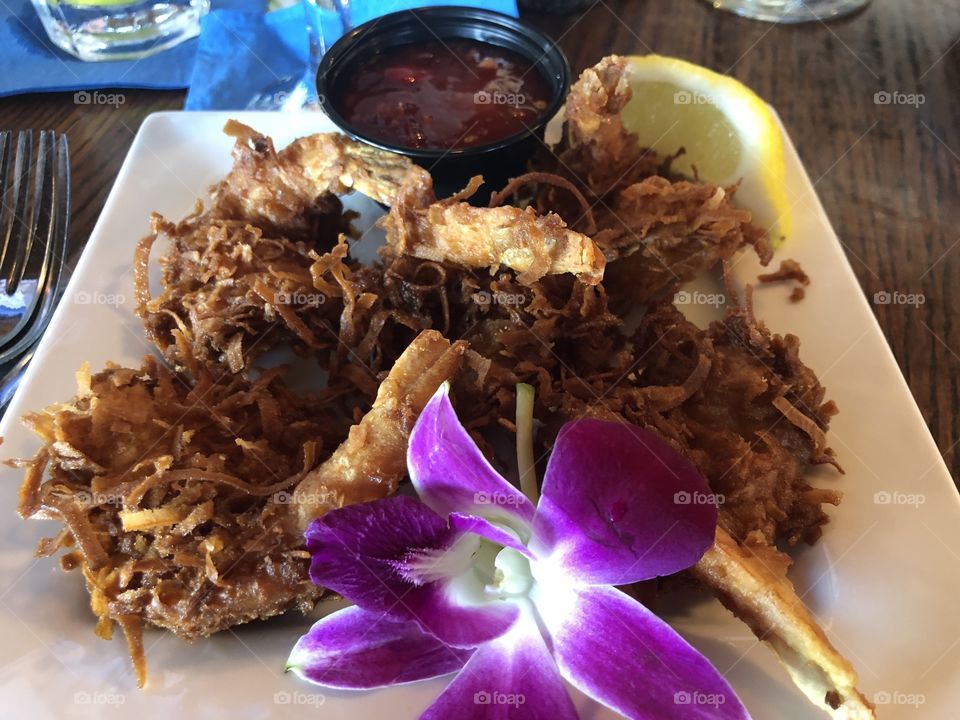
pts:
[29, 62]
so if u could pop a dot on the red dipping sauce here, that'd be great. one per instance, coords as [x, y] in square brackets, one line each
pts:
[443, 96]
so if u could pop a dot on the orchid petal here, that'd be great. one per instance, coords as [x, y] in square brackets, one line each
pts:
[622, 655]
[485, 529]
[450, 473]
[357, 649]
[397, 556]
[357, 550]
[512, 676]
[619, 505]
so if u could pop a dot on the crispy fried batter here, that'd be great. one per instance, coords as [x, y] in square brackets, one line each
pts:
[597, 150]
[750, 579]
[734, 426]
[371, 462]
[555, 327]
[336, 162]
[173, 491]
[285, 193]
[718, 397]
[788, 270]
[658, 233]
[230, 294]
[486, 238]
[246, 275]
[656, 230]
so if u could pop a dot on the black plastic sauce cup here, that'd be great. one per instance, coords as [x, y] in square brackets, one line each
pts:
[497, 161]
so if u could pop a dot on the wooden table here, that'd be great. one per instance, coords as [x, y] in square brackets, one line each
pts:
[887, 173]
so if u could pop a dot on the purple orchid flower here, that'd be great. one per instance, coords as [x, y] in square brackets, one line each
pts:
[514, 597]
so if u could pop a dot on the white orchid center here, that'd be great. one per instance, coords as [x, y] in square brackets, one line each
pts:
[512, 576]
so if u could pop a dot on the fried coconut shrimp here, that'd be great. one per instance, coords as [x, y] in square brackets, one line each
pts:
[230, 294]
[372, 461]
[597, 150]
[289, 192]
[755, 426]
[184, 500]
[659, 233]
[486, 238]
[739, 403]
[262, 266]
[171, 491]
[750, 579]
[655, 229]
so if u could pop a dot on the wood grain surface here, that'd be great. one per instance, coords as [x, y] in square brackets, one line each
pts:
[887, 172]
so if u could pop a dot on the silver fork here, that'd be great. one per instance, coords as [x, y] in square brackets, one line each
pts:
[33, 244]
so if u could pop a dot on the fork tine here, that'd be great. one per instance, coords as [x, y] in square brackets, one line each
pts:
[4, 166]
[63, 195]
[6, 203]
[35, 257]
[6, 211]
[18, 226]
[60, 219]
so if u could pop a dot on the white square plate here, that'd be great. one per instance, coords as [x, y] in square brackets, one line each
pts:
[884, 580]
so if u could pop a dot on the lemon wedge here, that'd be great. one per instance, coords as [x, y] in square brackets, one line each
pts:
[729, 133]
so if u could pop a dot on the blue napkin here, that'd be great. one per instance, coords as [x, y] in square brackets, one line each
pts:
[29, 62]
[257, 60]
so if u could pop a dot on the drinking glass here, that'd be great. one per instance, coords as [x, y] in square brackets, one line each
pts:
[119, 29]
[327, 20]
[790, 11]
